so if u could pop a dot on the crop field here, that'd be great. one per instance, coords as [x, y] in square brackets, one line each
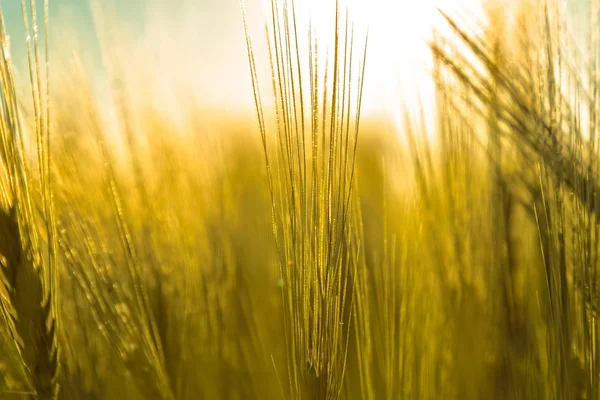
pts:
[156, 246]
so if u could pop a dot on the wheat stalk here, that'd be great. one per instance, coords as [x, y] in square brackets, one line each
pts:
[28, 279]
[311, 174]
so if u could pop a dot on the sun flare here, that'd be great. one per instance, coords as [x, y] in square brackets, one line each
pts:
[398, 66]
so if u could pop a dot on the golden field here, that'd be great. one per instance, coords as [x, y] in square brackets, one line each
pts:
[157, 247]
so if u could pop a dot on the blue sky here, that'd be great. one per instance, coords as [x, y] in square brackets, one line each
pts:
[216, 40]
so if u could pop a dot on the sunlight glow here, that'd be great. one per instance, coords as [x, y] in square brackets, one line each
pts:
[398, 59]
[210, 59]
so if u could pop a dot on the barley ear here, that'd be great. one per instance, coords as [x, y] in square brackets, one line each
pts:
[27, 278]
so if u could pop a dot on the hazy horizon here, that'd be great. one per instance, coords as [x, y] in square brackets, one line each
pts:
[204, 45]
